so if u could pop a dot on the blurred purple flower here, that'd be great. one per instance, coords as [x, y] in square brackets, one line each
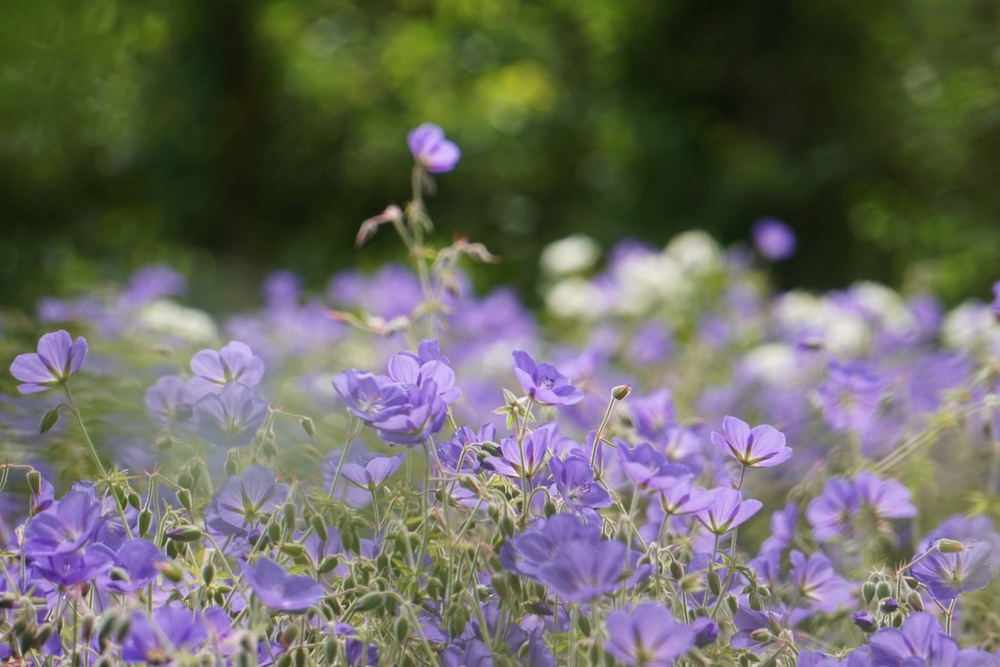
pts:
[760, 447]
[173, 629]
[818, 583]
[370, 471]
[213, 370]
[884, 498]
[543, 382]
[783, 524]
[57, 359]
[280, 590]
[244, 503]
[647, 636]
[581, 571]
[773, 239]
[948, 575]
[136, 559]
[648, 468]
[851, 397]
[527, 553]
[169, 401]
[432, 150]
[67, 526]
[230, 418]
[833, 511]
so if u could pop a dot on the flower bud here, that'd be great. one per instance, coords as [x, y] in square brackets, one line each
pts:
[145, 522]
[950, 546]
[915, 602]
[621, 392]
[208, 573]
[883, 590]
[401, 629]
[187, 533]
[34, 481]
[868, 591]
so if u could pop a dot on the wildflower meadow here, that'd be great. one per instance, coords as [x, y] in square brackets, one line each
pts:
[671, 462]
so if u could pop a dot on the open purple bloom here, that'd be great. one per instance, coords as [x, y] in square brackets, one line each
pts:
[421, 416]
[173, 629]
[529, 456]
[408, 368]
[727, 511]
[818, 583]
[575, 480]
[832, 512]
[367, 397]
[369, 471]
[884, 498]
[243, 503]
[230, 418]
[461, 453]
[581, 571]
[235, 362]
[851, 397]
[648, 468]
[432, 150]
[280, 590]
[65, 527]
[760, 447]
[57, 359]
[648, 636]
[948, 575]
[543, 382]
[922, 641]
[77, 567]
[137, 560]
[773, 239]
[527, 553]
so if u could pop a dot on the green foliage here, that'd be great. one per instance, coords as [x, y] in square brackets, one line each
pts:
[237, 135]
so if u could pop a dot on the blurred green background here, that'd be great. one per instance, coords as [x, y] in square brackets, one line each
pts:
[230, 137]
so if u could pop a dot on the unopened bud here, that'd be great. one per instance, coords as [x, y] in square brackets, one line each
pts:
[186, 533]
[35, 481]
[950, 546]
[868, 591]
[883, 590]
[621, 392]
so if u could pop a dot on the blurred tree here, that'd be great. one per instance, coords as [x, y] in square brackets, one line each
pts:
[238, 135]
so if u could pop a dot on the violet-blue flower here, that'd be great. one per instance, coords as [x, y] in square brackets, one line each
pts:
[280, 590]
[244, 503]
[527, 553]
[528, 457]
[575, 480]
[173, 629]
[760, 447]
[370, 471]
[818, 583]
[367, 397]
[581, 571]
[543, 382]
[773, 239]
[407, 368]
[948, 575]
[77, 567]
[648, 468]
[65, 527]
[137, 560]
[57, 359]
[727, 511]
[832, 512]
[169, 401]
[851, 397]
[647, 636]
[420, 417]
[214, 369]
[230, 418]
[431, 150]
[922, 641]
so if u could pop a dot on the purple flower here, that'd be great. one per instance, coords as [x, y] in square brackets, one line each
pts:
[581, 571]
[832, 512]
[529, 456]
[235, 362]
[647, 636]
[244, 503]
[173, 629]
[885, 498]
[369, 471]
[760, 447]
[783, 524]
[431, 150]
[948, 575]
[368, 398]
[428, 364]
[57, 359]
[527, 553]
[865, 621]
[922, 641]
[727, 511]
[461, 453]
[169, 401]
[706, 631]
[543, 382]
[65, 527]
[137, 560]
[818, 583]
[280, 590]
[648, 468]
[773, 239]
[575, 480]
[70, 569]
[230, 418]
[852, 396]
[420, 417]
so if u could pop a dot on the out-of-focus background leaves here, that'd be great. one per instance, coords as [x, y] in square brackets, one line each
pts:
[234, 136]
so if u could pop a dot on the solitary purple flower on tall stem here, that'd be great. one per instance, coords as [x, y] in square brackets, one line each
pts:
[760, 447]
[230, 418]
[543, 382]
[57, 359]
[431, 150]
[773, 239]
[647, 636]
